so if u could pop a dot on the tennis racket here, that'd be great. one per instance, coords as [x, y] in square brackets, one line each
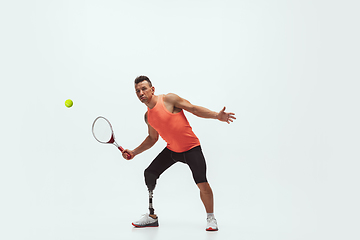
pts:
[103, 133]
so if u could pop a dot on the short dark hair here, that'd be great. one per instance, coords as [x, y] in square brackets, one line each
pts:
[139, 79]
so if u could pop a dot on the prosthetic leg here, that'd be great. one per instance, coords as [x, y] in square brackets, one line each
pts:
[151, 209]
[150, 180]
[149, 220]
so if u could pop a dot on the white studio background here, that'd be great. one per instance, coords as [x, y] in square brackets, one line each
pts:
[287, 168]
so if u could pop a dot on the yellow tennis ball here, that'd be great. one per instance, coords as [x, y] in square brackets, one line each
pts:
[68, 103]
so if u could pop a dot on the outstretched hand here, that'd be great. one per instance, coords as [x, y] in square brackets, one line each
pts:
[225, 116]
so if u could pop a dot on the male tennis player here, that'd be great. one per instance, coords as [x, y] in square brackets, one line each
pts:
[165, 116]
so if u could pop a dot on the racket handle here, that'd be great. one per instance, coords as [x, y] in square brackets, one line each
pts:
[122, 150]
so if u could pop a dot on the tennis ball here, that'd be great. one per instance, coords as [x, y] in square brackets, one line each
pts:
[68, 103]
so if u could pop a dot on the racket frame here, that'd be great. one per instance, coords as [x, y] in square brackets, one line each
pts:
[112, 138]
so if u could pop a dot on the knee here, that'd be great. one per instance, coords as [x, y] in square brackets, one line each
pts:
[204, 187]
[150, 179]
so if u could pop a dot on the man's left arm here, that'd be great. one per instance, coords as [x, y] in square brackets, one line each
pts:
[200, 111]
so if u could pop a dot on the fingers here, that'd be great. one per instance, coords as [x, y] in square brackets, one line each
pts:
[223, 111]
[229, 120]
[127, 154]
[226, 117]
[230, 117]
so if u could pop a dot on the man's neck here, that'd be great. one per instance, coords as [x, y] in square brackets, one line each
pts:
[152, 102]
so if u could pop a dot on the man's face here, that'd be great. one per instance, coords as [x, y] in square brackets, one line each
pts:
[144, 92]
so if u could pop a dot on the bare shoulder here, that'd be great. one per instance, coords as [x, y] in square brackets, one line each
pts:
[178, 102]
[171, 98]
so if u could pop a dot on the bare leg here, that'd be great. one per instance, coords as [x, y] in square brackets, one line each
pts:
[206, 196]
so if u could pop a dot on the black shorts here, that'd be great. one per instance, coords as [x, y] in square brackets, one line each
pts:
[194, 158]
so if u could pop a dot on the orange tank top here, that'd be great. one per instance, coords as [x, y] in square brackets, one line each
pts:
[174, 128]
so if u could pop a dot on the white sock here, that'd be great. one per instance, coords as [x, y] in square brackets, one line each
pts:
[210, 215]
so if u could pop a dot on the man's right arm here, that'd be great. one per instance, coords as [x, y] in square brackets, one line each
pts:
[149, 141]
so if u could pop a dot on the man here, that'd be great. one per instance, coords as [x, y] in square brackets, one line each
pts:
[165, 117]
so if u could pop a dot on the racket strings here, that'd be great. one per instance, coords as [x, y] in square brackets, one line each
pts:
[102, 130]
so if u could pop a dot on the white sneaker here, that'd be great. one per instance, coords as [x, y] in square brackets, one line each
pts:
[146, 221]
[211, 224]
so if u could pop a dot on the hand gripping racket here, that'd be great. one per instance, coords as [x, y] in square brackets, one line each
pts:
[103, 133]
